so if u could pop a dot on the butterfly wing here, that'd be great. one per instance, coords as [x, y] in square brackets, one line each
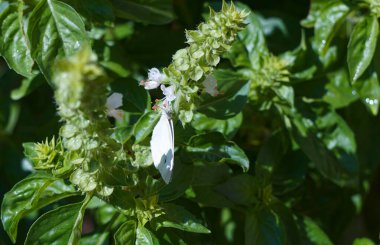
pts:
[162, 147]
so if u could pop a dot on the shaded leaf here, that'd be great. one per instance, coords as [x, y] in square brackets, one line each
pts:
[27, 86]
[175, 216]
[230, 102]
[272, 224]
[151, 12]
[213, 147]
[265, 226]
[241, 189]
[182, 177]
[328, 142]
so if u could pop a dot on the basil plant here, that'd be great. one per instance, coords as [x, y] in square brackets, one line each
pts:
[189, 122]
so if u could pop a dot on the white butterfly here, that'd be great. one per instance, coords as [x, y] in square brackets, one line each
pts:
[162, 146]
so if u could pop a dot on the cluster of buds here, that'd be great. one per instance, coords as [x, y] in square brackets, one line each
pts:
[81, 96]
[197, 61]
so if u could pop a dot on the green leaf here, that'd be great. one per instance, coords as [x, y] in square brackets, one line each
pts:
[301, 61]
[270, 225]
[262, 227]
[30, 194]
[95, 239]
[289, 173]
[369, 89]
[151, 12]
[116, 68]
[253, 37]
[144, 126]
[314, 233]
[61, 226]
[273, 149]
[328, 141]
[241, 189]
[14, 44]
[250, 44]
[55, 31]
[285, 93]
[27, 86]
[209, 197]
[99, 11]
[230, 102]
[361, 46]
[363, 241]
[213, 147]
[126, 234]
[316, 6]
[328, 24]
[339, 91]
[135, 98]
[210, 174]
[123, 134]
[177, 217]
[145, 237]
[228, 127]
[182, 177]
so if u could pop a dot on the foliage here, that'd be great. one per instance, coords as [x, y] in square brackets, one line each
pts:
[275, 118]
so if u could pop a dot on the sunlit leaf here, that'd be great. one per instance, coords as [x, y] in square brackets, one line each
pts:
[328, 23]
[361, 46]
[30, 194]
[62, 225]
[126, 234]
[14, 45]
[55, 30]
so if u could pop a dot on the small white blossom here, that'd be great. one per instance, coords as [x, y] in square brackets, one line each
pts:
[168, 92]
[149, 84]
[155, 75]
[154, 79]
[210, 85]
[114, 101]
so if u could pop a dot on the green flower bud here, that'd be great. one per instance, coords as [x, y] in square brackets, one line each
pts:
[206, 45]
[143, 157]
[43, 155]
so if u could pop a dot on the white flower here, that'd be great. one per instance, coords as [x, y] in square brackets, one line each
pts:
[155, 75]
[114, 101]
[149, 84]
[168, 92]
[154, 79]
[210, 85]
